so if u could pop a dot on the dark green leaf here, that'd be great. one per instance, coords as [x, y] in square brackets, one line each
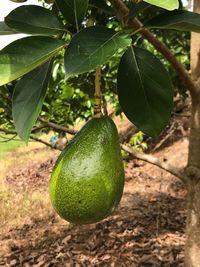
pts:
[145, 91]
[102, 5]
[91, 47]
[5, 30]
[33, 19]
[73, 10]
[137, 8]
[24, 55]
[177, 20]
[18, 1]
[28, 98]
[166, 4]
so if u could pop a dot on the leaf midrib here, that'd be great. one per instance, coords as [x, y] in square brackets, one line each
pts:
[142, 85]
[88, 58]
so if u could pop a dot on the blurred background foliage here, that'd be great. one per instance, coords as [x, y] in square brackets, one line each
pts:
[71, 101]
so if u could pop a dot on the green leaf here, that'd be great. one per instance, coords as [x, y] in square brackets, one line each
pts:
[28, 98]
[137, 8]
[24, 55]
[166, 4]
[18, 1]
[102, 5]
[177, 20]
[33, 19]
[5, 30]
[144, 90]
[91, 47]
[73, 10]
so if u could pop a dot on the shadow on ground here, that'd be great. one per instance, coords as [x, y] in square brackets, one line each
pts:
[149, 231]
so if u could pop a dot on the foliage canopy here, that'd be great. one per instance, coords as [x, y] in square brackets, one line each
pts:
[51, 72]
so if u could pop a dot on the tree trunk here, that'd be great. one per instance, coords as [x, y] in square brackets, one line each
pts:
[195, 48]
[192, 248]
[190, 5]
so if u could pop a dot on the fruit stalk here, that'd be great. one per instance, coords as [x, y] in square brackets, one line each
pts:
[98, 94]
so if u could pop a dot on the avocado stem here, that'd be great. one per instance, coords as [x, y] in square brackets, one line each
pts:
[105, 110]
[98, 94]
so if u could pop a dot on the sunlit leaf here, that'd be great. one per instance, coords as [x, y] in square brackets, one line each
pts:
[91, 47]
[24, 55]
[166, 4]
[34, 19]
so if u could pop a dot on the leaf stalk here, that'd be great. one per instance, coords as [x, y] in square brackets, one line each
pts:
[98, 94]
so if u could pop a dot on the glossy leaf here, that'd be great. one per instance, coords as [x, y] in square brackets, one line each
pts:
[34, 19]
[24, 55]
[144, 90]
[5, 30]
[177, 20]
[28, 98]
[91, 47]
[18, 1]
[73, 10]
[166, 4]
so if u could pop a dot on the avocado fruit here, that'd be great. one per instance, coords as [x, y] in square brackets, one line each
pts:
[87, 180]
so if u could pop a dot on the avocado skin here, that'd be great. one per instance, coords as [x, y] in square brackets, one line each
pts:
[88, 178]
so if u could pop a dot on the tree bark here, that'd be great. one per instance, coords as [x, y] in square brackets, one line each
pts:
[195, 49]
[192, 248]
[190, 5]
[192, 171]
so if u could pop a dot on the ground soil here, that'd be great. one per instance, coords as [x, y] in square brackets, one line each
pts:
[147, 229]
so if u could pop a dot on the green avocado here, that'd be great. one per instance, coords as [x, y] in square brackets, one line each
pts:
[88, 178]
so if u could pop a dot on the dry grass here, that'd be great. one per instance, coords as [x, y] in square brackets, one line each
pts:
[18, 208]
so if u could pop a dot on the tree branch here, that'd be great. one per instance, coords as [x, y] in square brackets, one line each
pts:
[38, 128]
[57, 127]
[145, 157]
[123, 14]
[45, 143]
[45, 124]
[6, 131]
[155, 161]
[7, 139]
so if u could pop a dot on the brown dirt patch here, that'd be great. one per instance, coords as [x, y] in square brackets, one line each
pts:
[146, 230]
